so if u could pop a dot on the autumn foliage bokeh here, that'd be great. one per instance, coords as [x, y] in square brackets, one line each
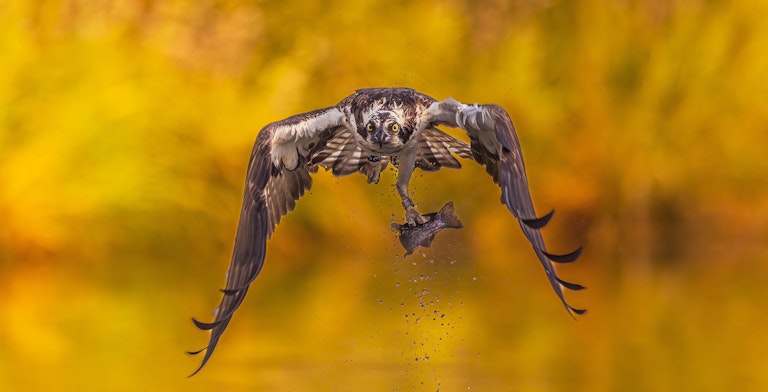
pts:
[125, 128]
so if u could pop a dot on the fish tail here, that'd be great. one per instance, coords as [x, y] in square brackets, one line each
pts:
[448, 216]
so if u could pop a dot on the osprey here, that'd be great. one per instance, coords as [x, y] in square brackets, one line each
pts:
[364, 133]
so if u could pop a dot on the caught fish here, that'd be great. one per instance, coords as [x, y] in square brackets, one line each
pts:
[411, 237]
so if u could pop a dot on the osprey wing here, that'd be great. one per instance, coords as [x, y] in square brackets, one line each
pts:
[278, 175]
[436, 149]
[494, 144]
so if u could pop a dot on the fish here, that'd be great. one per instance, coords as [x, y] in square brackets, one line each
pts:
[412, 237]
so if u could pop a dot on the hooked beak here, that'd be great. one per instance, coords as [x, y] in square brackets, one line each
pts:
[380, 137]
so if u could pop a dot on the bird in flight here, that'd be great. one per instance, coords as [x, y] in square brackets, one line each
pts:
[365, 132]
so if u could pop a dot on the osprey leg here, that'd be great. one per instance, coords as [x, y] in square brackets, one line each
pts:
[405, 165]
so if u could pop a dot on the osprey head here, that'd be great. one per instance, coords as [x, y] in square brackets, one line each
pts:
[385, 131]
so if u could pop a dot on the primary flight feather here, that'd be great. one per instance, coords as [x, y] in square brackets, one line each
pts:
[364, 133]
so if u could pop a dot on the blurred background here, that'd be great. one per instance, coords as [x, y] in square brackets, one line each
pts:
[125, 129]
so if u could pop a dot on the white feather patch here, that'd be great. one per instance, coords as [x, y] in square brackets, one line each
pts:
[289, 139]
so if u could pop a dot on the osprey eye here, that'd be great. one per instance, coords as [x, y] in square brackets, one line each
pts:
[395, 127]
[369, 127]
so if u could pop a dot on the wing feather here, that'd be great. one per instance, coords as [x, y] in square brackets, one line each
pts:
[436, 149]
[495, 145]
[341, 155]
[278, 175]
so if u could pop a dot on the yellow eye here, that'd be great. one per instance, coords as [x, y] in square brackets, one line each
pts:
[369, 127]
[395, 127]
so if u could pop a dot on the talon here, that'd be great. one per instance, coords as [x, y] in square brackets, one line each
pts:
[413, 217]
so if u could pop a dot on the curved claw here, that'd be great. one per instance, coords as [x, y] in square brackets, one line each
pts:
[413, 217]
[538, 223]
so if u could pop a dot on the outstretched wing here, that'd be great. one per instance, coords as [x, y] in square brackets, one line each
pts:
[278, 175]
[494, 144]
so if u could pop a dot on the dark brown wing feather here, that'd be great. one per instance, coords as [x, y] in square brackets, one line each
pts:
[341, 154]
[271, 192]
[436, 149]
[494, 144]
[250, 243]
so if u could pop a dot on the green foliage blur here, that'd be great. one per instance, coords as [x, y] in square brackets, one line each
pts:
[125, 128]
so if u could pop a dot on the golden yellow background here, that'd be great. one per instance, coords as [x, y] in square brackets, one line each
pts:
[125, 128]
